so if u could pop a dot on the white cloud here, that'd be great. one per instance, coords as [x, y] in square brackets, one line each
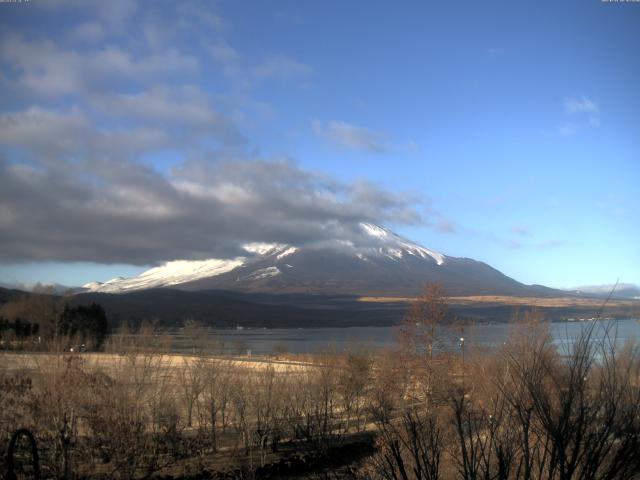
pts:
[580, 105]
[87, 32]
[223, 53]
[446, 226]
[179, 107]
[281, 67]
[114, 13]
[190, 13]
[583, 113]
[45, 69]
[70, 137]
[352, 136]
[568, 128]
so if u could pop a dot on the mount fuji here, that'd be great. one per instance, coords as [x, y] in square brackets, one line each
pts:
[375, 262]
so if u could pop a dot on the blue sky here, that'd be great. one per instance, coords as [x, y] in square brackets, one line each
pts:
[135, 133]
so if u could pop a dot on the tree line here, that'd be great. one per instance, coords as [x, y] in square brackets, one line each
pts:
[40, 319]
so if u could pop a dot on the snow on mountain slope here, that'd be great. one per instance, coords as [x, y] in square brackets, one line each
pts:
[396, 246]
[265, 248]
[171, 273]
[262, 259]
[263, 273]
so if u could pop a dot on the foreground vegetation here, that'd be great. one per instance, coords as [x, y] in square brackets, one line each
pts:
[523, 411]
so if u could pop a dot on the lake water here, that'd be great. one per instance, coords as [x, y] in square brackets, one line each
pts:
[310, 340]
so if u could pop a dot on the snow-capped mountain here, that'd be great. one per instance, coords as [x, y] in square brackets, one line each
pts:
[375, 262]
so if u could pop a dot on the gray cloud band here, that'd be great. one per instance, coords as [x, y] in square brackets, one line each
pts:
[81, 152]
[135, 215]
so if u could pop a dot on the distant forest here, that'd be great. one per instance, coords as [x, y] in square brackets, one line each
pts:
[43, 318]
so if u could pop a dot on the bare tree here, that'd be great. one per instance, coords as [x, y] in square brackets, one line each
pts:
[57, 407]
[419, 340]
[214, 406]
[418, 332]
[195, 335]
[410, 448]
[191, 383]
[268, 408]
[239, 395]
[353, 378]
[389, 387]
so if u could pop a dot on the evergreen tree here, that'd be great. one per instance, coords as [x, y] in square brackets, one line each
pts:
[88, 322]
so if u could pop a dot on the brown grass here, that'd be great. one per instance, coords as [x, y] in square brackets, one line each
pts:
[594, 303]
[33, 361]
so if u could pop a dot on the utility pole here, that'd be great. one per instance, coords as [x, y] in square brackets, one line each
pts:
[462, 350]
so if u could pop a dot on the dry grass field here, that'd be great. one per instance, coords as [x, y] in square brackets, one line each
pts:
[557, 302]
[34, 361]
[141, 411]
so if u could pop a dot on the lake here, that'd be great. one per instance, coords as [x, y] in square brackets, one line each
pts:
[311, 340]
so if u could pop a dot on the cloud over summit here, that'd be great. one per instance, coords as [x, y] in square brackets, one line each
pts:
[129, 213]
[124, 144]
[116, 152]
